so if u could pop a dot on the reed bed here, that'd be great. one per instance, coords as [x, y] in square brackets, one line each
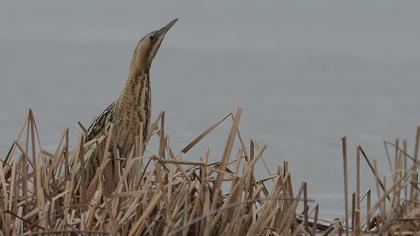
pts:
[396, 208]
[172, 193]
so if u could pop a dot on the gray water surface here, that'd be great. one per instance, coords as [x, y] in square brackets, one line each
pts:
[306, 72]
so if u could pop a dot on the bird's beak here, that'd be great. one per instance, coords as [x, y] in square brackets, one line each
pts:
[160, 34]
[166, 28]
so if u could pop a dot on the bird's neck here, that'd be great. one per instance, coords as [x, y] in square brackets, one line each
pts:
[135, 96]
[136, 90]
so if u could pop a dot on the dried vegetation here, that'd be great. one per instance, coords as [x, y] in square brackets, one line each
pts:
[173, 193]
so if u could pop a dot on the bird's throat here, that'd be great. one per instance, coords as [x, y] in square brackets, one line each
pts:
[134, 107]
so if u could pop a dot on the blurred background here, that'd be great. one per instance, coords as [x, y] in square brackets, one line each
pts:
[306, 72]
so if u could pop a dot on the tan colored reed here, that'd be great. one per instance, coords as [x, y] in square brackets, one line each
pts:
[175, 193]
[145, 193]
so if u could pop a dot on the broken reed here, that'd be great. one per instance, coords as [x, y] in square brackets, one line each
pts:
[165, 193]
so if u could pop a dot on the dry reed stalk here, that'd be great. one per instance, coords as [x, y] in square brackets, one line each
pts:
[344, 149]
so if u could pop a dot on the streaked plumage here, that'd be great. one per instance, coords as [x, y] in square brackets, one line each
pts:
[133, 107]
[98, 126]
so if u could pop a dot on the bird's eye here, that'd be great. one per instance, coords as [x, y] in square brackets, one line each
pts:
[152, 37]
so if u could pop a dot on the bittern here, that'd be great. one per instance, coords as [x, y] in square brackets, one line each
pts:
[133, 107]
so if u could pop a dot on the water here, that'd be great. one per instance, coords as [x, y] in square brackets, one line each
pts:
[306, 72]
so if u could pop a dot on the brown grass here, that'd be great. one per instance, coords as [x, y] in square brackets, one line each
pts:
[170, 193]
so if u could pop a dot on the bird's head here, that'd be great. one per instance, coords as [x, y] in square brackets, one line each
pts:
[147, 48]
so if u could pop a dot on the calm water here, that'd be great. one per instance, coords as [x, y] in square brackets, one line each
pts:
[306, 72]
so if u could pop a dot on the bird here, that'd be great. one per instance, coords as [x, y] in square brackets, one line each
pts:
[133, 106]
